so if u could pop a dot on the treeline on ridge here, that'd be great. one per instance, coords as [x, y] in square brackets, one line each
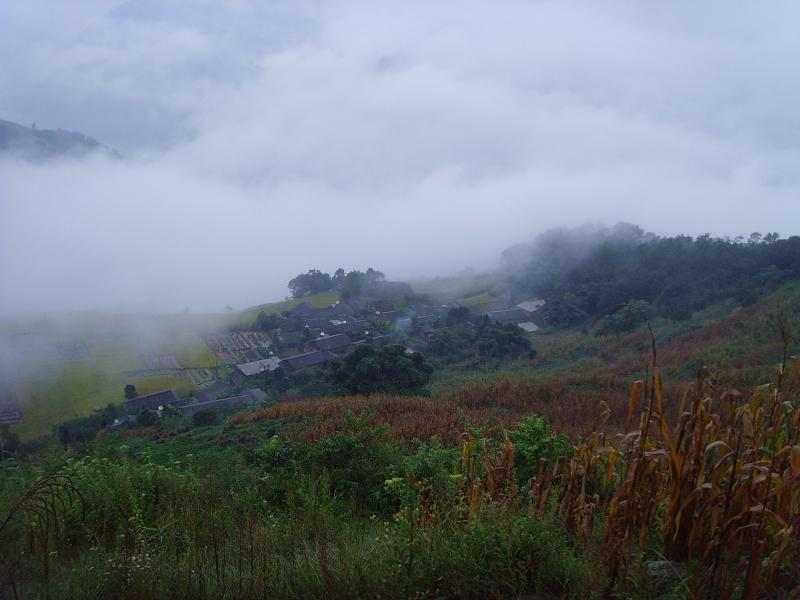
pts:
[583, 272]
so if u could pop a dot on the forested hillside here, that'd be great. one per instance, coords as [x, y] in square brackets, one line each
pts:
[583, 272]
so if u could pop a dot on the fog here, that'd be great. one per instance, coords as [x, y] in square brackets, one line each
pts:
[262, 139]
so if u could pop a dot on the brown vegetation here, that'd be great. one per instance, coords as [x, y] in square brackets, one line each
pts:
[490, 406]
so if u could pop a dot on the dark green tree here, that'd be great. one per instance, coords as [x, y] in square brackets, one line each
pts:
[390, 370]
[313, 282]
[204, 418]
[146, 418]
[130, 391]
[505, 340]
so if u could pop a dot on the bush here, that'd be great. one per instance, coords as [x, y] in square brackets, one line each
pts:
[388, 370]
[533, 440]
[146, 418]
[204, 418]
[503, 341]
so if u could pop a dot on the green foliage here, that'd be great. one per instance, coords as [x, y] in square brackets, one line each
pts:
[130, 391]
[450, 345]
[351, 284]
[624, 320]
[76, 432]
[146, 418]
[204, 418]
[389, 370]
[533, 440]
[267, 322]
[357, 462]
[507, 340]
[307, 284]
[582, 272]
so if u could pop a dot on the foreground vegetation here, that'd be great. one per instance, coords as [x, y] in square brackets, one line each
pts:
[470, 495]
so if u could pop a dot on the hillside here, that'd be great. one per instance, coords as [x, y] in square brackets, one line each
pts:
[31, 143]
[67, 366]
[374, 439]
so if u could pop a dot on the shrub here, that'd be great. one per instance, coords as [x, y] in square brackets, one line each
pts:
[533, 440]
[204, 418]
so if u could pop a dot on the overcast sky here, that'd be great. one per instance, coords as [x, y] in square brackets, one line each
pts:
[264, 138]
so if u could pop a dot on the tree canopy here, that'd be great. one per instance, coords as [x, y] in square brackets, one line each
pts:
[582, 272]
[315, 281]
[389, 370]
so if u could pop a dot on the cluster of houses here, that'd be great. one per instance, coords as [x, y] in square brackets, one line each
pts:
[158, 402]
[335, 330]
[330, 331]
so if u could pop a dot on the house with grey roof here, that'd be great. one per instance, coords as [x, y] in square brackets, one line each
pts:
[316, 358]
[531, 306]
[316, 322]
[510, 315]
[379, 341]
[246, 397]
[338, 343]
[358, 326]
[241, 373]
[154, 401]
[388, 315]
[340, 311]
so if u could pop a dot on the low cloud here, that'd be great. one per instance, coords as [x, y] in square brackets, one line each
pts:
[267, 138]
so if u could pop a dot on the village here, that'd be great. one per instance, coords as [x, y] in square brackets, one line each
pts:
[244, 359]
[305, 337]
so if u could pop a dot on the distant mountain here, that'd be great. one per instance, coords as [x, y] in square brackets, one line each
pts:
[35, 144]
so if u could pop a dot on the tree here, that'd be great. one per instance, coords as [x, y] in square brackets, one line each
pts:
[389, 370]
[307, 284]
[146, 418]
[267, 322]
[353, 283]
[338, 279]
[458, 314]
[503, 341]
[204, 418]
[130, 391]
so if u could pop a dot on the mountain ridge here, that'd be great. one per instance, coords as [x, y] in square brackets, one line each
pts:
[33, 144]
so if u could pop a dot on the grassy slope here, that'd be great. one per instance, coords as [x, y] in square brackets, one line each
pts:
[248, 316]
[724, 334]
[451, 289]
[737, 343]
[52, 393]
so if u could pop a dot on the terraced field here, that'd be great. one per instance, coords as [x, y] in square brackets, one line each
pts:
[62, 369]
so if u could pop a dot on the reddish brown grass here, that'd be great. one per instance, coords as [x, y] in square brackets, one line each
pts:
[489, 406]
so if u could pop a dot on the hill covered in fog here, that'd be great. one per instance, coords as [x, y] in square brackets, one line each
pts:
[31, 143]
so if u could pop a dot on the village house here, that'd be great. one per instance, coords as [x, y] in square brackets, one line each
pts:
[531, 306]
[339, 311]
[510, 315]
[316, 322]
[249, 395]
[388, 315]
[154, 401]
[379, 341]
[349, 326]
[303, 361]
[337, 344]
[242, 373]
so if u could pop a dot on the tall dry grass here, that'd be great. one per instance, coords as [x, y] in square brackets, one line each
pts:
[718, 482]
[492, 406]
